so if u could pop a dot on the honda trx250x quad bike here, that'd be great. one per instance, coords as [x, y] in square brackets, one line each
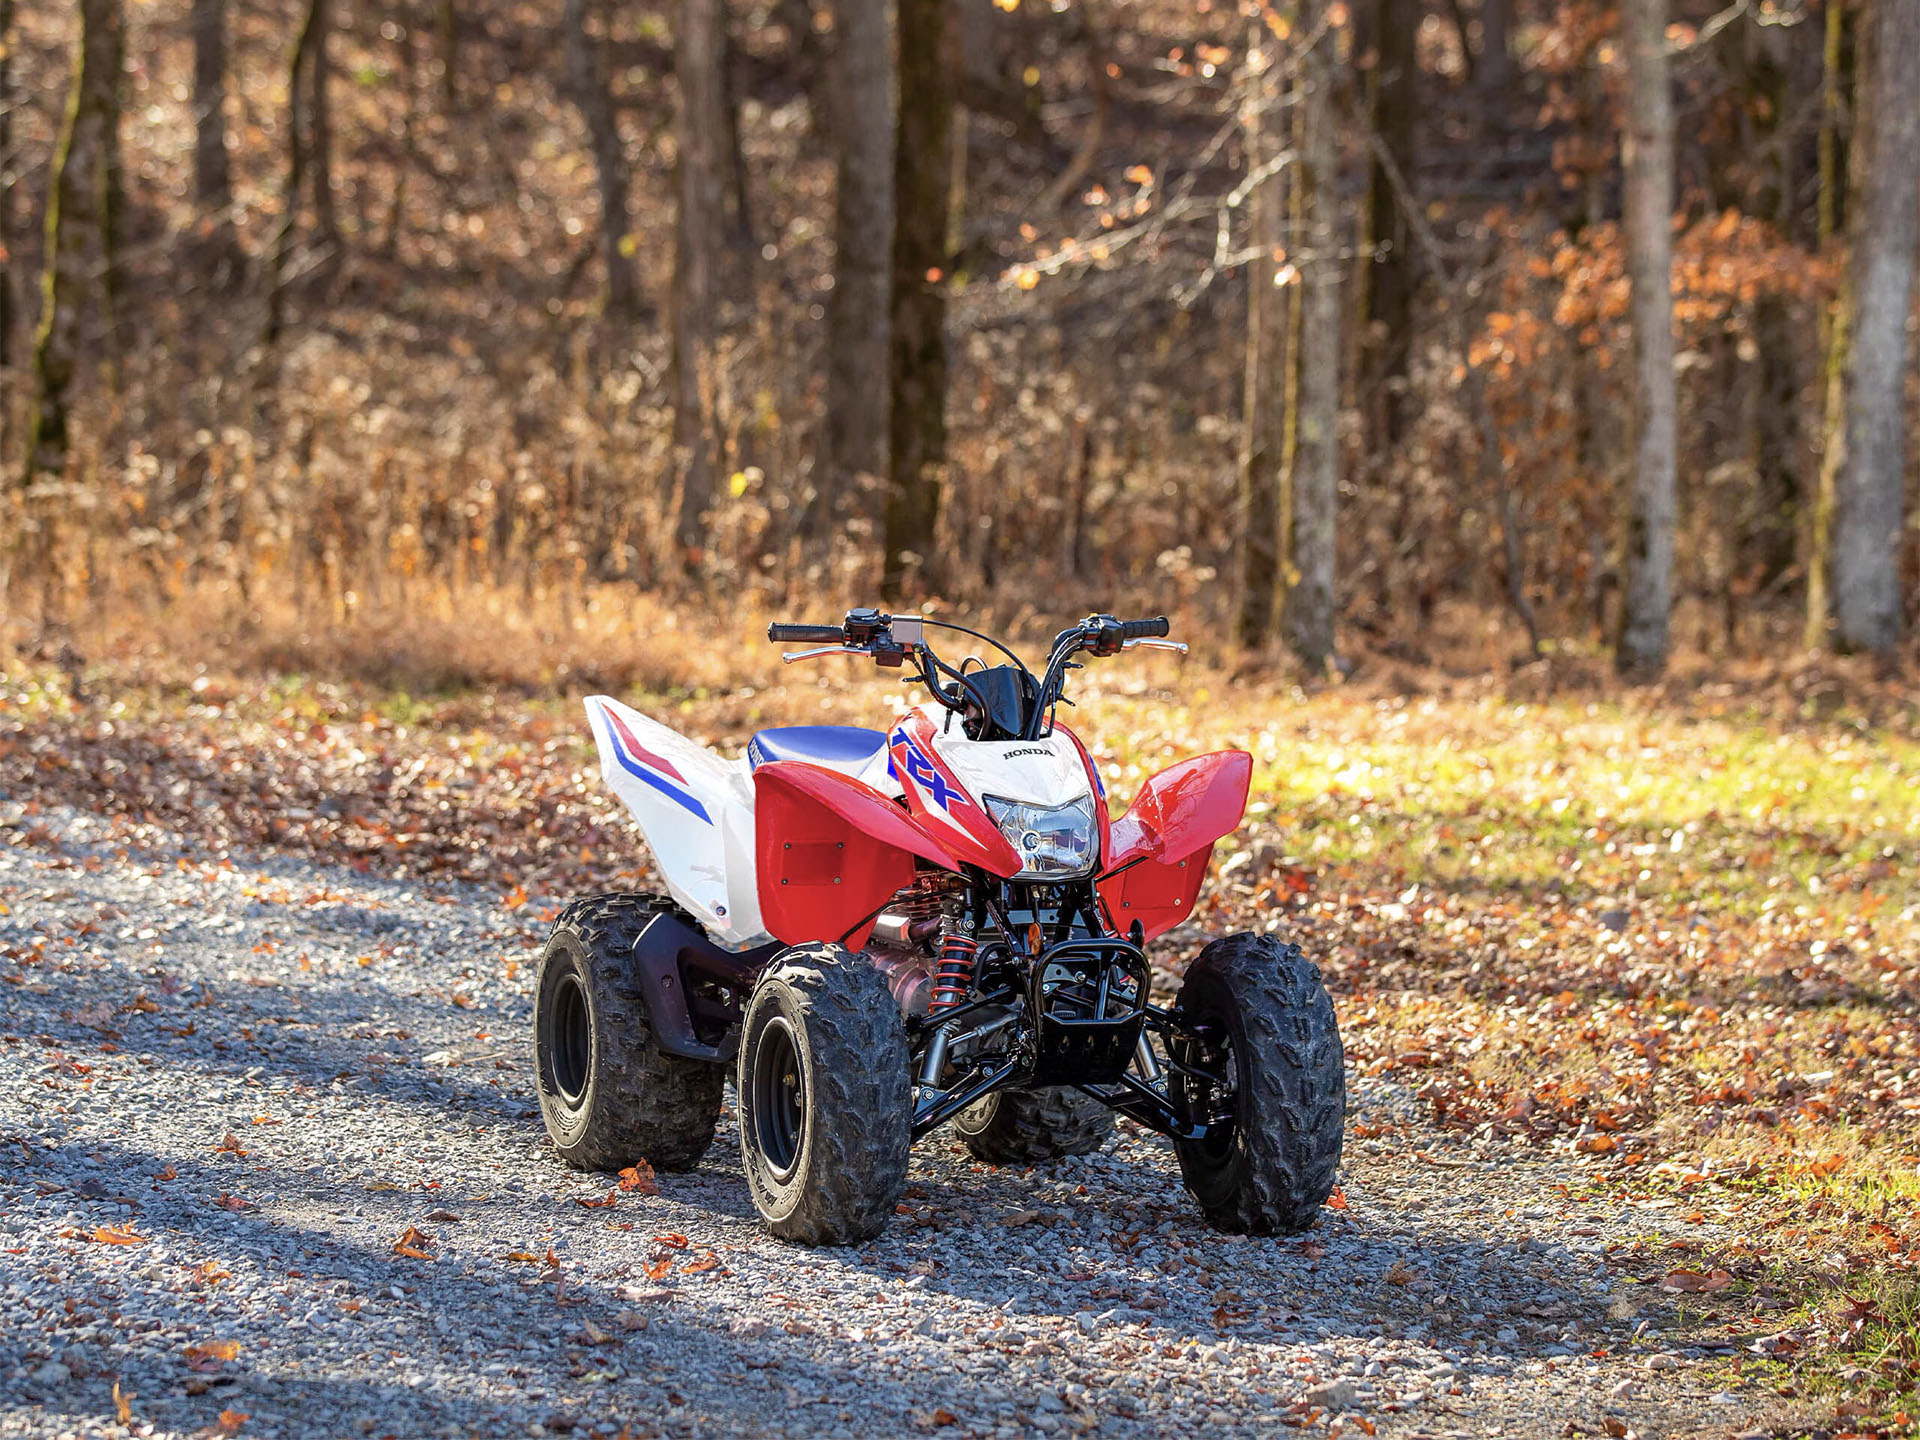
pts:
[886, 931]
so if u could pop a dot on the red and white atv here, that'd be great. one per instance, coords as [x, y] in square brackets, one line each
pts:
[885, 931]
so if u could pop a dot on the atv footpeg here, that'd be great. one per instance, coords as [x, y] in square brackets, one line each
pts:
[1088, 1000]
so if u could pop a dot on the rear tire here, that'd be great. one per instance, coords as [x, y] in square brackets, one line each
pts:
[609, 1094]
[826, 1112]
[1268, 1022]
[1019, 1127]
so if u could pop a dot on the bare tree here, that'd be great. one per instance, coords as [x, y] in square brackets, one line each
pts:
[309, 158]
[861, 101]
[699, 132]
[6, 190]
[587, 78]
[1309, 611]
[1387, 333]
[922, 188]
[80, 226]
[1647, 596]
[212, 173]
[1262, 462]
[1871, 496]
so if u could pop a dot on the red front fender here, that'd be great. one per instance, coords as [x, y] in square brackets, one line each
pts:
[829, 851]
[1166, 839]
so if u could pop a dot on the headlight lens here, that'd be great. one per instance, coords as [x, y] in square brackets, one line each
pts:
[1051, 840]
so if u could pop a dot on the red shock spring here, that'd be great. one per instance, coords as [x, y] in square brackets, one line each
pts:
[954, 976]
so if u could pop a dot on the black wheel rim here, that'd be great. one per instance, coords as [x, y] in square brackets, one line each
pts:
[570, 1042]
[779, 1098]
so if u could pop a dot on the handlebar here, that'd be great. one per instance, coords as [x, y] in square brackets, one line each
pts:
[809, 634]
[896, 640]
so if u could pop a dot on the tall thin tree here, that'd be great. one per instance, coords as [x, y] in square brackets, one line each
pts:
[80, 226]
[6, 190]
[1257, 602]
[861, 120]
[1309, 610]
[309, 158]
[212, 169]
[586, 76]
[1387, 337]
[1870, 510]
[699, 132]
[922, 190]
[1647, 594]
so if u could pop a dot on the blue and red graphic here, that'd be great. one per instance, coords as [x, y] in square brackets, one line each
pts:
[636, 759]
[926, 774]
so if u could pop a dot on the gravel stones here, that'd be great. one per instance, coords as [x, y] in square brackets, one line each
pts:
[364, 1043]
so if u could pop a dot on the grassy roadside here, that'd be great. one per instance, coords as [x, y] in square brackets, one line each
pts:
[1680, 947]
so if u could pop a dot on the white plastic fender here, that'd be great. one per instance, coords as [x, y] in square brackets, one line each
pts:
[696, 812]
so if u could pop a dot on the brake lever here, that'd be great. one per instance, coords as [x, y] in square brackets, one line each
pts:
[1179, 647]
[792, 655]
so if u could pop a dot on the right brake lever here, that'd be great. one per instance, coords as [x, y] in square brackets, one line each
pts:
[792, 655]
[1179, 647]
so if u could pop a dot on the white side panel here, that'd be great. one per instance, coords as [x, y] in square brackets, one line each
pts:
[696, 812]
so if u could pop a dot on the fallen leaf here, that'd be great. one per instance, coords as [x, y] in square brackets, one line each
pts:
[709, 1261]
[123, 1404]
[610, 1198]
[639, 1178]
[658, 1269]
[213, 1350]
[413, 1244]
[1338, 1199]
[117, 1235]
[673, 1241]
[230, 1421]
[231, 1146]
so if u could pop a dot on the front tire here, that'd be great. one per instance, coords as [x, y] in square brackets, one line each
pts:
[1019, 1127]
[608, 1093]
[826, 1111]
[1265, 1023]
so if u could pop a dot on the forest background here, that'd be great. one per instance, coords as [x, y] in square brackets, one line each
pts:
[1457, 334]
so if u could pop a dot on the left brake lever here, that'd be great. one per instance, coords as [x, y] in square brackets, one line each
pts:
[792, 655]
[1179, 647]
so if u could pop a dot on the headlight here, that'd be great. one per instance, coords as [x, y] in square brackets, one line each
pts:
[1055, 841]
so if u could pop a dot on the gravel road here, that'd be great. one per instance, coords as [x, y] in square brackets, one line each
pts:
[270, 1073]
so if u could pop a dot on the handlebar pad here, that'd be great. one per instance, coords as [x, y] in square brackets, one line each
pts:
[1144, 629]
[816, 634]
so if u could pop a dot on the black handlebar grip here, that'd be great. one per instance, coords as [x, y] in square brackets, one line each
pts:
[810, 634]
[1153, 629]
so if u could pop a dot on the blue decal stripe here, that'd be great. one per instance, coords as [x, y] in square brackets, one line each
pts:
[640, 772]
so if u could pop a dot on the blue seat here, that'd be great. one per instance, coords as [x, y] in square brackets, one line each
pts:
[842, 747]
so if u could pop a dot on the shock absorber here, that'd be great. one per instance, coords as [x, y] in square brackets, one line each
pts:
[953, 978]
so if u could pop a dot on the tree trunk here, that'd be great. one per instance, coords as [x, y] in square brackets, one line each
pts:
[917, 426]
[1493, 62]
[326, 224]
[216, 246]
[587, 78]
[6, 207]
[1648, 156]
[1387, 327]
[862, 122]
[1871, 495]
[1258, 512]
[699, 130]
[79, 225]
[1310, 597]
[1836, 179]
[307, 132]
[212, 180]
